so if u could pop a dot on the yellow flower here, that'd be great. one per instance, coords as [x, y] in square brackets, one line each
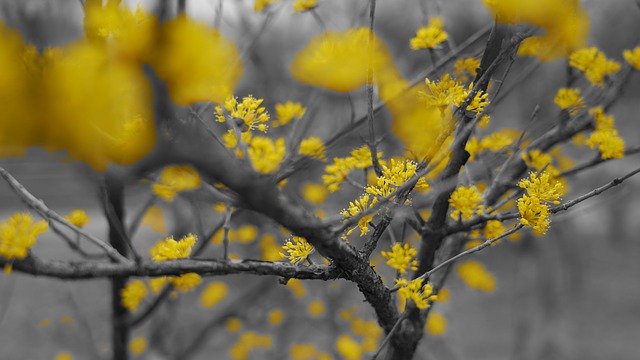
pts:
[444, 93]
[186, 282]
[269, 248]
[19, 234]
[609, 142]
[602, 120]
[175, 179]
[430, 36]
[249, 114]
[197, 62]
[534, 213]
[313, 147]
[297, 288]
[315, 193]
[286, 112]
[466, 202]
[493, 229]
[394, 175]
[466, 65]
[339, 61]
[476, 276]
[348, 348]
[316, 308]
[63, 356]
[170, 249]
[356, 207]
[304, 5]
[368, 331]
[265, 154]
[569, 99]
[234, 325]
[132, 294]
[154, 219]
[298, 249]
[247, 342]
[307, 352]
[436, 324]
[421, 294]
[260, 5]
[137, 346]
[78, 218]
[275, 317]
[565, 24]
[401, 257]
[213, 294]
[543, 186]
[499, 140]
[158, 283]
[594, 64]
[633, 57]
[537, 159]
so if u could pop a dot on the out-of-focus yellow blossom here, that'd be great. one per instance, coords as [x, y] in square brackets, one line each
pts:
[234, 325]
[476, 276]
[609, 142]
[401, 257]
[19, 234]
[230, 140]
[63, 356]
[170, 249]
[633, 57]
[44, 323]
[339, 169]
[444, 295]
[466, 65]
[534, 213]
[473, 243]
[158, 283]
[313, 147]
[444, 93]
[368, 331]
[298, 249]
[197, 62]
[473, 147]
[78, 218]
[154, 219]
[466, 202]
[543, 186]
[248, 115]
[245, 234]
[248, 342]
[356, 207]
[602, 120]
[316, 308]
[436, 324]
[137, 346]
[594, 64]
[537, 159]
[484, 122]
[265, 154]
[129, 34]
[269, 248]
[175, 179]
[569, 99]
[186, 282]
[213, 294]
[395, 174]
[286, 112]
[499, 140]
[421, 294]
[307, 352]
[430, 36]
[275, 317]
[348, 348]
[304, 5]
[66, 320]
[339, 61]
[315, 193]
[297, 288]
[132, 294]
[493, 229]
[565, 22]
[261, 5]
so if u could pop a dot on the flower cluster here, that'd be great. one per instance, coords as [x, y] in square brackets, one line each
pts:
[249, 114]
[430, 36]
[401, 257]
[170, 249]
[417, 291]
[569, 99]
[286, 112]
[395, 174]
[304, 5]
[298, 249]
[132, 294]
[247, 342]
[19, 234]
[633, 57]
[265, 154]
[605, 137]
[313, 147]
[542, 189]
[594, 64]
[466, 202]
[261, 5]
[356, 207]
[78, 218]
[476, 276]
[175, 179]
[336, 172]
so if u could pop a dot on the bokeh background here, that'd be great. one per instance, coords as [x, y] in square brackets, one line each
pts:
[573, 294]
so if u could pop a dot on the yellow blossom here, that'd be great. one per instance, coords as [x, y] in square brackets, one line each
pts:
[132, 294]
[401, 257]
[313, 147]
[436, 324]
[633, 57]
[304, 5]
[265, 154]
[154, 219]
[286, 112]
[569, 99]
[297, 288]
[543, 186]
[175, 179]
[537, 159]
[444, 93]
[78, 218]
[307, 352]
[348, 348]
[594, 64]
[493, 229]
[499, 140]
[466, 202]
[158, 283]
[466, 65]
[248, 114]
[298, 249]
[430, 36]
[63, 356]
[19, 234]
[395, 174]
[534, 213]
[137, 345]
[248, 342]
[260, 5]
[186, 282]
[421, 294]
[315, 193]
[609, 142]
[234, 325]
[170, 249]
[476, 276]
[269, 248]
[275, 317]
[213, 294]
[316, 308]
[356, 207]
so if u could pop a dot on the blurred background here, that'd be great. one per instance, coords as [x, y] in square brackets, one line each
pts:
[573, 294]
